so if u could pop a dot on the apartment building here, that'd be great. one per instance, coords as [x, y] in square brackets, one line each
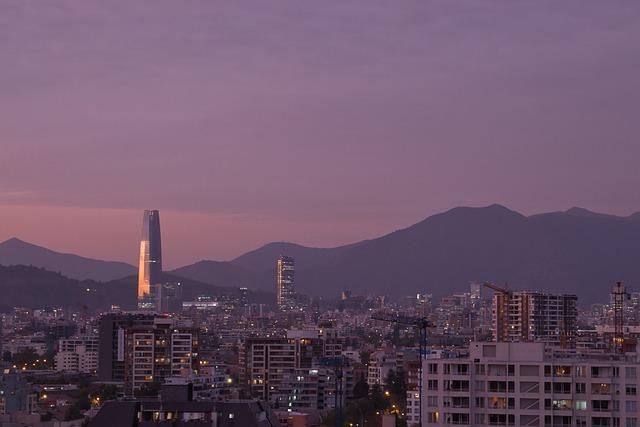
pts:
[534, 316]
[289, 371]
[77, 355]
[528, 384]
[381, 362]
[140, 348]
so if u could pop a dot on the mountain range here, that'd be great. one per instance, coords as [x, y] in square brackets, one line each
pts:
[576, 251]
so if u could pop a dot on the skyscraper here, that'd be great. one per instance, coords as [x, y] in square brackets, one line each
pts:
[150, 268]
[285, 290]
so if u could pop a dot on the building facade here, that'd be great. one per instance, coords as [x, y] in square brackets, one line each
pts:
[150, 264]
[534, 316]
[528, 384]
[139, 349]
[289, 372]
[77, 355]
[285, 283]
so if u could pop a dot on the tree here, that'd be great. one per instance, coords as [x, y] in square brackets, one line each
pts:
[25, 356]
[380, 402]
[365, 357]
[361, 389]
[72, 413]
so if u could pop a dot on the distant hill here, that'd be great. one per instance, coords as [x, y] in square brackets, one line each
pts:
[33, 287]
[17, 252]
[264, 258]
[575, 251]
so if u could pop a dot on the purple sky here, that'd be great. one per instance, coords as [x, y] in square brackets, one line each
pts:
[315, 122]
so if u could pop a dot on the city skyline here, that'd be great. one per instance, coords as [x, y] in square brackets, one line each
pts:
[382, 116]
[374, 214]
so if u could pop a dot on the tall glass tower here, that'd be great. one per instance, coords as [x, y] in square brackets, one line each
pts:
[285, 284]
[150, 268]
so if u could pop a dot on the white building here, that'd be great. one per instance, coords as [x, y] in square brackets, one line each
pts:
[79, 354]
[526, 384]
[381, 362]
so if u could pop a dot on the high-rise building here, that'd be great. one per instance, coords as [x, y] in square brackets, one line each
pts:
[534, 316]
[285, 371]
[168, 297]
[285, 283]
[244, 297]
[150, 267]
[141, 348]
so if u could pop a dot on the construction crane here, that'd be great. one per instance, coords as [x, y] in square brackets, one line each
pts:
[337, 363]
[420, 323]
[619, 294]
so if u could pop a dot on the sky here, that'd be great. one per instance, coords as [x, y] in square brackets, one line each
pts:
[320, 123]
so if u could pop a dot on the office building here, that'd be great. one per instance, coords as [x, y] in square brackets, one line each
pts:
[150, 264]
[285, 283]
[244, 297]
[528, 384]
[534, 316]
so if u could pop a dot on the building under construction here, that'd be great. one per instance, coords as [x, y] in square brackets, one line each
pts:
[534, 316]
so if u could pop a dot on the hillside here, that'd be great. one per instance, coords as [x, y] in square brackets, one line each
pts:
[32, 287]
[575, 251]
[17, 252]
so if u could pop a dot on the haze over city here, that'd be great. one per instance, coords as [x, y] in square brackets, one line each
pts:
[322, 124]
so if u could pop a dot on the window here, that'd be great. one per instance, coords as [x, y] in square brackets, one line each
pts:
[561, 403]
[432, 401]
[600, 405]
[432, 368]
[581, 388]
[432, 417]
[630, 390]
[562, 371]
[432, 384]
[631, 406]
[632, 422]
[630, 372]
[479, 402]
[581, 405]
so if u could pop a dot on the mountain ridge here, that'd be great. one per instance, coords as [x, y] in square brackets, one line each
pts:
[15, 251]
[577, 251]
